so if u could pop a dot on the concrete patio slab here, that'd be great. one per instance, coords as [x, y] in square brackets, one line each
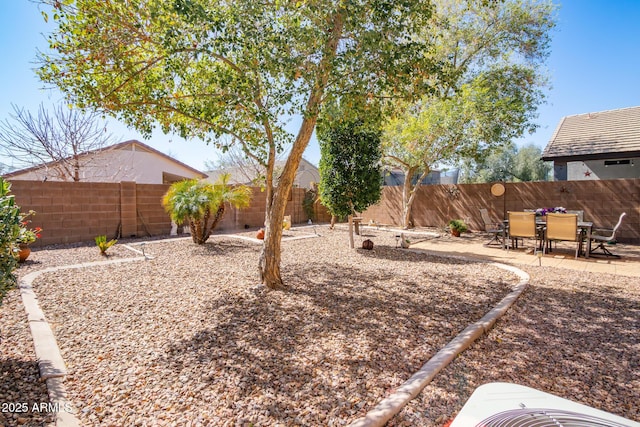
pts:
[561, 257]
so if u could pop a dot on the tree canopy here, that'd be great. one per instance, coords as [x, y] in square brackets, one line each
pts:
[495, 54]
[350, 167]
[508, 164]
[240, 69]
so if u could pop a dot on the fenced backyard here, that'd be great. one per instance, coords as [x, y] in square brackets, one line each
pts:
[76, 211]
[601, 201]
[188, 336]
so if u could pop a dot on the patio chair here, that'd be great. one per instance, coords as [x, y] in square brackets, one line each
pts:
[602, 236]
[562, 227]
[522, 225]
[579, 213]
[495, 228]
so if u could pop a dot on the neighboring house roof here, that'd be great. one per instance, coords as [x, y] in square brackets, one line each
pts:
[307, 173]
[238, 175]
[600, 135]
[105, 164]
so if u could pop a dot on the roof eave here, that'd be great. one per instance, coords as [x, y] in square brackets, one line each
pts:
[591, 156]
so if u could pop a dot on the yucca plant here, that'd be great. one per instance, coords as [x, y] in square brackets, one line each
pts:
[103, 244]
[202, 204]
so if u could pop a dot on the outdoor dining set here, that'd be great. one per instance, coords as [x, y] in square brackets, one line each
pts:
[548, 226]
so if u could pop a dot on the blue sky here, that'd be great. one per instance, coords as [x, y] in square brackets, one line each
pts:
[594, 66]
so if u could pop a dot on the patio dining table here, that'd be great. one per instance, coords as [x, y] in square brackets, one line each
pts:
[584, 226]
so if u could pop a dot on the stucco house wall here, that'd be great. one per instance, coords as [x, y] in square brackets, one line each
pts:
[128, 161]
[596, 146]
[598, 169]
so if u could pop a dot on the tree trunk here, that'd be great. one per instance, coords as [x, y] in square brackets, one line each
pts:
[216, 219]
[409, 192]
[269, 264]
[351, 244]
[199, 231]
[407, 198]
[333, 222]
[193, 230]
[76, 168]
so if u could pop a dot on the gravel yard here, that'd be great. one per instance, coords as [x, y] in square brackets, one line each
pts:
[189, 338]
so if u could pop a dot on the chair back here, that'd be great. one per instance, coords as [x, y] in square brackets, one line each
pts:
[579, 213]
[522, 224]
[486, 219]
[617, 226]
[562, 226]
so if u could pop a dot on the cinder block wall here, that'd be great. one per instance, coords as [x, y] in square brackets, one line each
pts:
[70, 212]
[435, 205]
[151, 218]
[79, 211]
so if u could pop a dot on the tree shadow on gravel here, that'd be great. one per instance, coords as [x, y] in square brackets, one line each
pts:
[341, 335]
[20, 390]
[581, 345]
[386, 252]
[224, 247]
[29, 263]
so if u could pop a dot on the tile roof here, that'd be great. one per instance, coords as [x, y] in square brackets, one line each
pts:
[602, 134]
[119, 146]
[248, 175]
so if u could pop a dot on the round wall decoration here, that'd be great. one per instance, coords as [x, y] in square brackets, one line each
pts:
[497, 189]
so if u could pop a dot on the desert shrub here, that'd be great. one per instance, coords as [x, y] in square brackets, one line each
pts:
[10, 219]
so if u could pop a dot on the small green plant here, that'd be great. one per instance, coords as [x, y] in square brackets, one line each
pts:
[457, 225]
[103, 245]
